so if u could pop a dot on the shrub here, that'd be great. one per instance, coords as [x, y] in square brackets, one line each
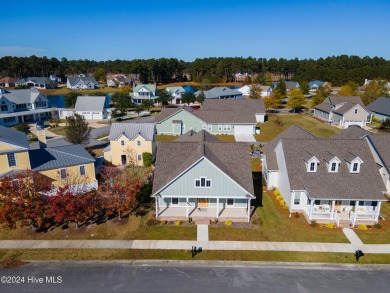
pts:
[147, 158]
[228, 223]
[313, 223]
[363, 227]
[163, 222]
[279, 197]
[329, 225]
[177, 223]
[152, 222]
[296, 215]
[378, 226]
[276, 192]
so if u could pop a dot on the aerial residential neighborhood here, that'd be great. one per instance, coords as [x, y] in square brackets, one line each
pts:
[195, 146]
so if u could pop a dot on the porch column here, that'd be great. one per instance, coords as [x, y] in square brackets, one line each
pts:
[356, 206]
[217, 207]
[249, 208]
[332, 211]
[187, 203]
[378, 209]
[156, 207]
[311, 208]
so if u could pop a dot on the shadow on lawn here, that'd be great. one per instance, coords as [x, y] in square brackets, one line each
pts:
[258, 188]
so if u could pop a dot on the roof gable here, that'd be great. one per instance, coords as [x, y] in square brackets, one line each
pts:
[13, 138]
[132, 130]
[90, 103]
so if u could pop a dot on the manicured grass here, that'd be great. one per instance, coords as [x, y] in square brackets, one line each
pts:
[256, 164]
[226, 138]
[270, 129]
[65, 90]
[130, 254]
[60, 130]
[276, 225]
[130, 228]
[166, 137]
[98, 152]
[103, 135]
[374, 235]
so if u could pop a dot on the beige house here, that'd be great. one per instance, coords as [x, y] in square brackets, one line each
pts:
[69, 165]
[128, 141]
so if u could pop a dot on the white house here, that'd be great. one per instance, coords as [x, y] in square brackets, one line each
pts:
[264, 90]
[82, 83]
[144, 92]
[90, 107]
[176, 93]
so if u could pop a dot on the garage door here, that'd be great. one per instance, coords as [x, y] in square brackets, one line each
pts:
[350, 123]
[243, 129]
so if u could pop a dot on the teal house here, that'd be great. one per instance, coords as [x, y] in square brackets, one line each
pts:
[199, 177]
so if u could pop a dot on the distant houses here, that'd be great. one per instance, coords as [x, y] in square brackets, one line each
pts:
[265, 91]
[315, 84]
[89, 107]
[290, 85]
[36, 82]
[82, 83]
[144, 92]
[221, 93]
[176, 93]
[8, 82]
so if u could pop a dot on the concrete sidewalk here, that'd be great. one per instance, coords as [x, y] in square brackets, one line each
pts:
[187, 244]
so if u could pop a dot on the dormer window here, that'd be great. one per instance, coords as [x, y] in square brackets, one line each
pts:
[354, 165]
[356, 110]
[312, 164]
[333, 165]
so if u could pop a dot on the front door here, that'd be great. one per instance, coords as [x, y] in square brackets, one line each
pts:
[203, 202]
[337, 205]
[124, 159]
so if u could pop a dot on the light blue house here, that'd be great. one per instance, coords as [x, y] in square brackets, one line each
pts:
[144, 92]
[199, 177]
[216, 116]
[380, 108]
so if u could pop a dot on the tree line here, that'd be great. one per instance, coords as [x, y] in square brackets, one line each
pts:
[335, 69]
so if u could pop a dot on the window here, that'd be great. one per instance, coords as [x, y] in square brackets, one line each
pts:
[63, 173]
[355, 167]
[138, 142]
[204, 126]
[361, 203]
[4, 108]
[203, 182]
[122, 142]
[139, 157]
[312, 166]
[209, 127]
[227, 128]
[317, 202]
[230, 202]
[297, 198]
[82, 170]
[352, 203]
[175, 201]
[9, 119]
[356, 110]
[333, 167]
[220, 127]
[11, 160]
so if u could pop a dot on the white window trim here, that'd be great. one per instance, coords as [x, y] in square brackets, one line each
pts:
[204, 126]
[311, 161]
[200, 182]
[230, 205]
[175, 204]
[16, 162]
[220, 127]
[138, 143]
[210, 127]
[357, 161]
[299, 199]
[122, 143]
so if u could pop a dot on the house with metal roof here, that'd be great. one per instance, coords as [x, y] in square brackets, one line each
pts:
[66, 166]
[36, 82]
[200, 178]
[82, 83]
[343, 111]
[176, 93]
[315, 84]
[128, 141]
[290, 85]
[328, 180]
[264, 90]
[221, 93]
[89, 107]
[25, 105]
[144, 92]
[230, 116]
[380, 108]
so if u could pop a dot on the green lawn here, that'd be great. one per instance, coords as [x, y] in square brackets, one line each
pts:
[226, 138]
[65, 90]
[374, 235]
[166, 137]
[256, 164]
[60, 130]
[121, 254]
[271, 128]
[276, 225]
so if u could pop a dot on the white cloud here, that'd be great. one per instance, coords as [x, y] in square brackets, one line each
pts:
[19, 51]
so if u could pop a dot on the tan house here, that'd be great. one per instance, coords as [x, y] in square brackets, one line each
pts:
[69, 165]
[128, 141]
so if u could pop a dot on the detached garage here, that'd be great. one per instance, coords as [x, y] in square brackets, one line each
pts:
[92, 107]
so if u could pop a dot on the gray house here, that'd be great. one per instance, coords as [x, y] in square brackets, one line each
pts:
[380, 108]
[343, 111]
[329, 180]
[36, 82]
[221, 93]
[82, 83]
[200, 178]
[216, 116]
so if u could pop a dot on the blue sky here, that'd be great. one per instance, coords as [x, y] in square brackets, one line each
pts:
[195, 29]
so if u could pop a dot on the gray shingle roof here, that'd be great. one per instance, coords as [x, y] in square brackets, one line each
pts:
[74, 80]
[34, 79]
[165, 113]
[349, 102]
[13, 137]
[90, 103]
[22, 96]
[202, 135]
[316, 82]
[367, 184]
[293, 131]
[131, 130]
[382, 144]
[352, 132]
[174, 157]
[250, 106]
[59, 157]
[222, 91]
[380, 105]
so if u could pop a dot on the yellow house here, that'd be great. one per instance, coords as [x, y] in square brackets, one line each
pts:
[128, 141]
[69, 165]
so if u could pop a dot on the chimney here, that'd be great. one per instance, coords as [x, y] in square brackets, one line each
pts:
[41, 134]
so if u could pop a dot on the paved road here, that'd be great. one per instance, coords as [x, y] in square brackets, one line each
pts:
[174, 276]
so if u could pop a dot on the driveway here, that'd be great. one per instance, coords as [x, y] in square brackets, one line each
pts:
[244, 138]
